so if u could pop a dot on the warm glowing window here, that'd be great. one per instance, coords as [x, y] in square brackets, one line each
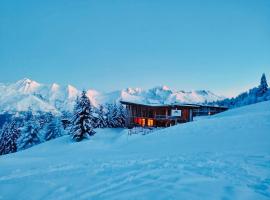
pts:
[140, 121]
[143, 122]
[150, 122]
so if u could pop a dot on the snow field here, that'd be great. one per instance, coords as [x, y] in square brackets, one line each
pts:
[226, 156]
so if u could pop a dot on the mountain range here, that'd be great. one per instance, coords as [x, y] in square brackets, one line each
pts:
[28, 94]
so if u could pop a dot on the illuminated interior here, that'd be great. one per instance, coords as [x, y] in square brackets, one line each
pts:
[150, 122]
[143, 121]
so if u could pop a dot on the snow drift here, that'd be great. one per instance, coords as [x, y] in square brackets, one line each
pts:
[219, 157]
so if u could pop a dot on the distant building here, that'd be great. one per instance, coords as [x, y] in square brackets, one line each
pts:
[158, 115]
[162, 115]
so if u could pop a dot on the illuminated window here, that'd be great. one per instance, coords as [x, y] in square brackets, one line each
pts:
[150, 122]
[143, 122]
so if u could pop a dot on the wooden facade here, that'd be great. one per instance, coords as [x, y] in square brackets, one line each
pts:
[158, 115]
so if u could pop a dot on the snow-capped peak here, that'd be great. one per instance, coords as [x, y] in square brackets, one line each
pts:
[165, 87]
[93, 96]
[72, 92]
[26, 81]
[55, 87]
[27, 85]
[133, 90]
[40, 97]
[161, 88]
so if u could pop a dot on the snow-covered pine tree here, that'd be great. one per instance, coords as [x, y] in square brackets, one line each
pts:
[3, 138]
[112, 115]
[122, 115]
[108, 117]
[43, 118]
[101, 118]
[53, 129]
[9, 136]
[66, 119]
[263, 87]
[29, 132]
[82, 124]
[95, 117]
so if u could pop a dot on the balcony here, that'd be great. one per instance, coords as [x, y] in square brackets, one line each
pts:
[157, 117]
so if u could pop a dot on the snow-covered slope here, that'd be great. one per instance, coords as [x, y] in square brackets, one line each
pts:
[221, 157]
[26, 94]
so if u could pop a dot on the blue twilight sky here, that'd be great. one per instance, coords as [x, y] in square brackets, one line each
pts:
[223, 46]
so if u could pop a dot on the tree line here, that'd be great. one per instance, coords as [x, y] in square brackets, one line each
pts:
[254, 95]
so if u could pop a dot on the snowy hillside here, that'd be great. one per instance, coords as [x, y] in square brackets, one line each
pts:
[225, 156]
[26, 94]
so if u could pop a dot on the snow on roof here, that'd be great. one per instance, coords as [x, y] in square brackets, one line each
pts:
[212, 106]
[160, 105]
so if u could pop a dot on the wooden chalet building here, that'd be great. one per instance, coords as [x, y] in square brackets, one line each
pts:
[153, 115]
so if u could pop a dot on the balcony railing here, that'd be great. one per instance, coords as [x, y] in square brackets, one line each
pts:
[162, 117]
[158, 117]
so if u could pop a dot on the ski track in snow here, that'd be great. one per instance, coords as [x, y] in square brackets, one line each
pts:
[173, 176]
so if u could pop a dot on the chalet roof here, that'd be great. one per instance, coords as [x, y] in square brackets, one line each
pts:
[209, 106]
[160, 105]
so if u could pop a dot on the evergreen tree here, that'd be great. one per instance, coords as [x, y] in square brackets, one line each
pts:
[82, 122]
[3, 138]
[116, 115]
[66, 119]
[263, 87]
[108, 117]
[29, 132]
[101, 118]
[43, 118]
[112, 116]
[53, 129]
[94, 117]
[9, 136]
[122, 115]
